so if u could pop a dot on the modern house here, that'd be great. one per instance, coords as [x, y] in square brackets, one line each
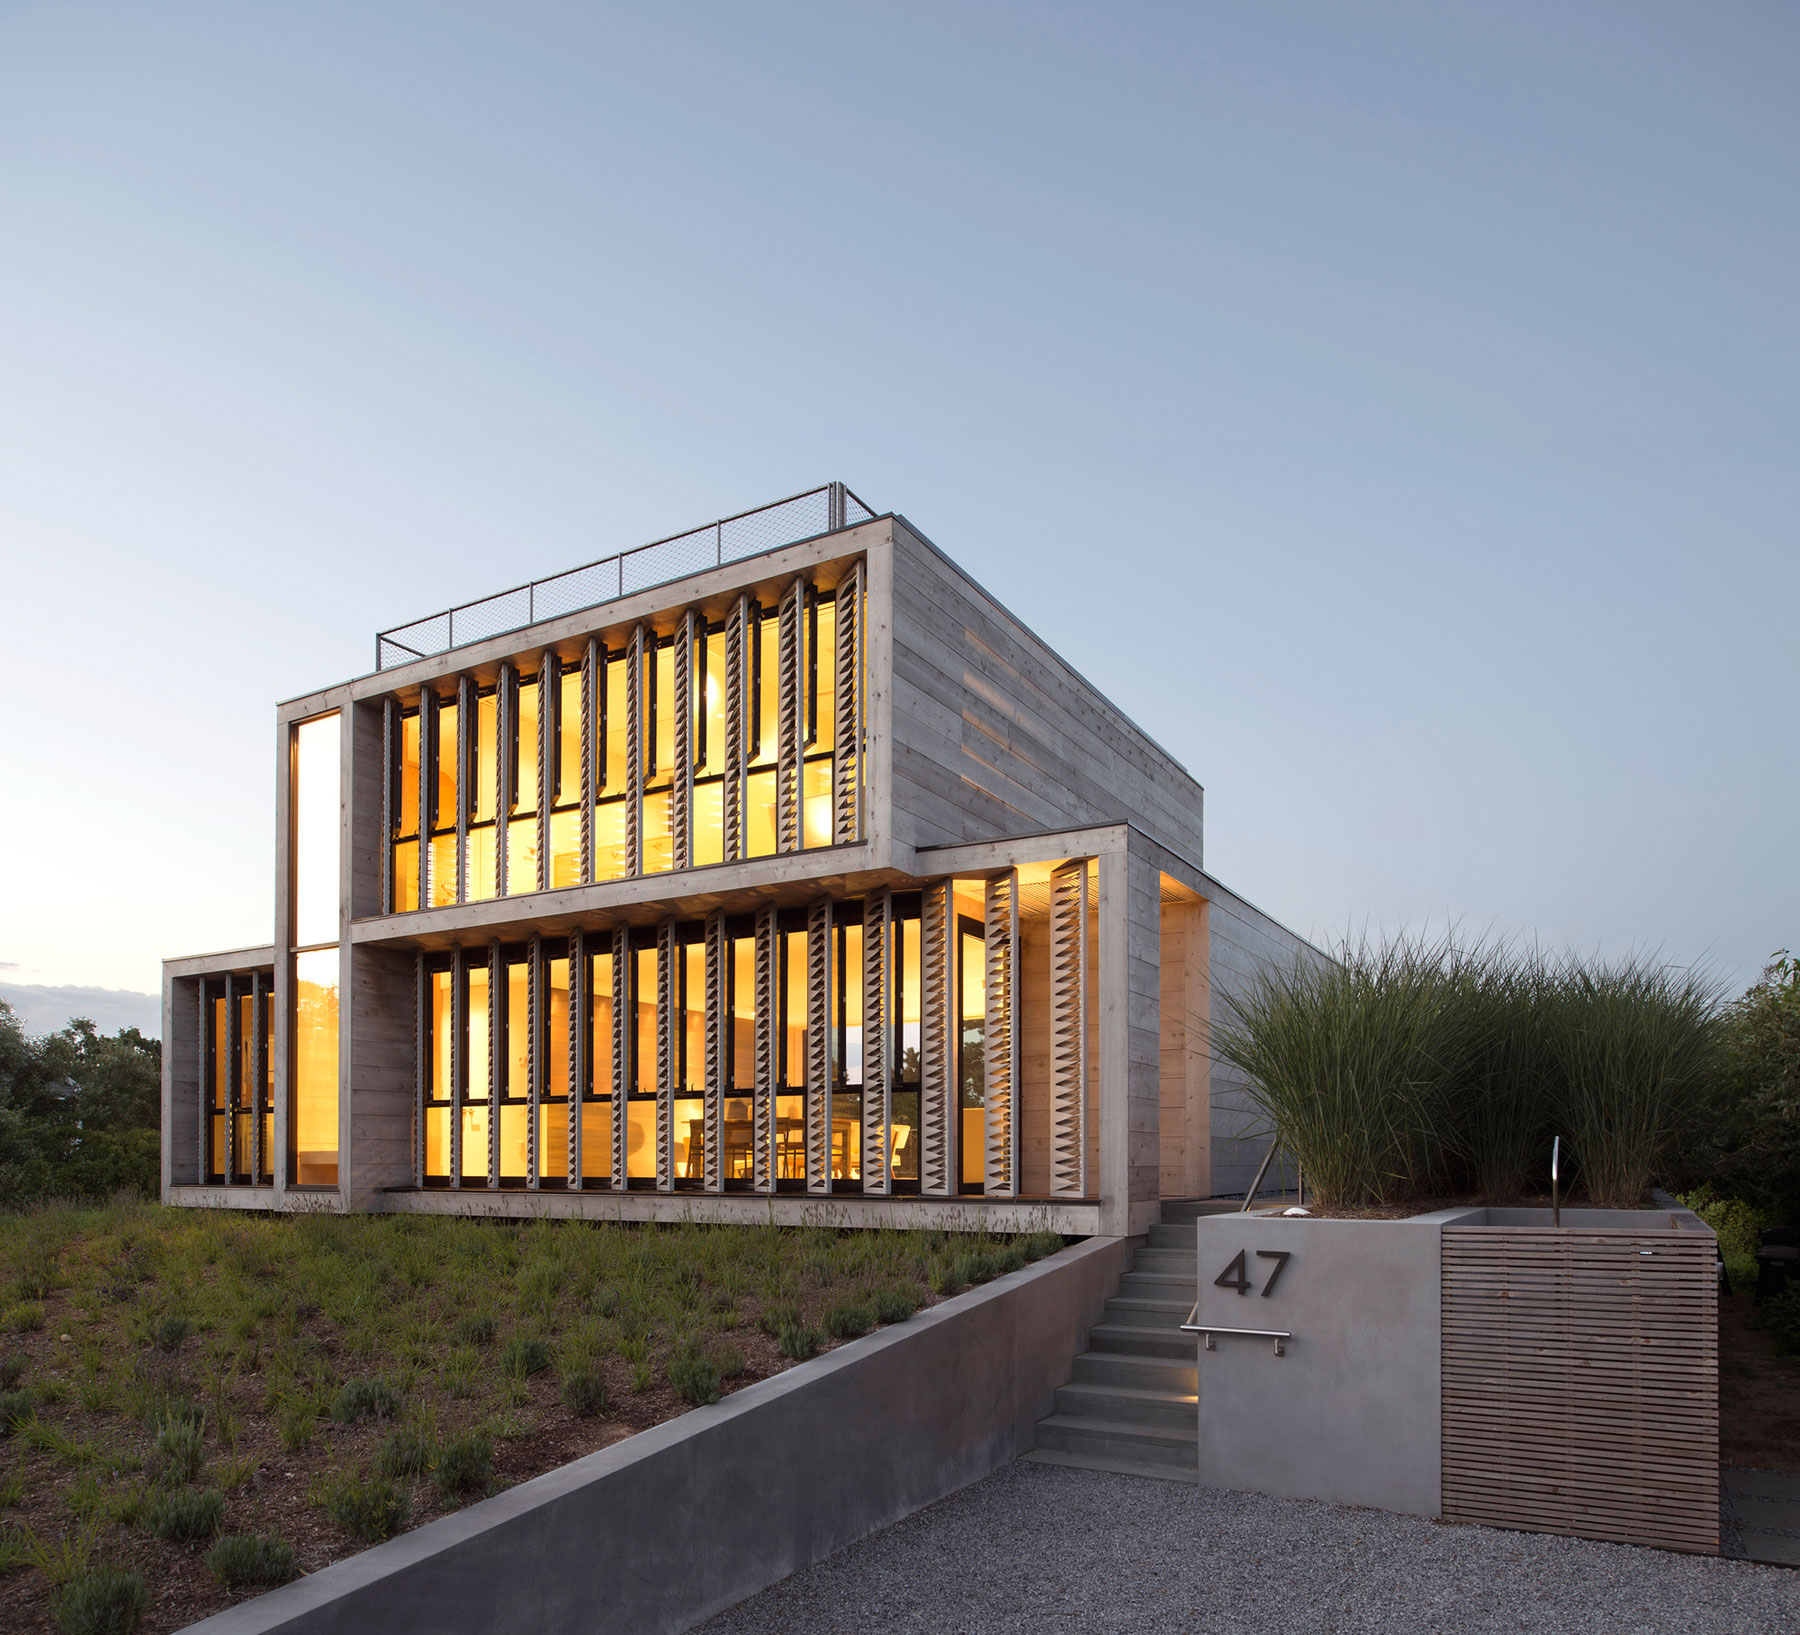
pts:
[771, 871]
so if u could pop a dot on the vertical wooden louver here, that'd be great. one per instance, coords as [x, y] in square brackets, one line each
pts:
[546, 763]
[821, 989]
[580, 1031]
[668, 1060]
[1580, 1383]
[1000, 1036]
[846, 805]
[421, 1064]
[718, 1052]
[227, 1155]
[738, 704]
[466, 763]
[634, 753]
[1068, 1030]
[506, 718]
[459, 1057]
[937, 1076]
[496, 1035]
[791, 719]
[427, 787]
[390, 734]
[681, 774]
[592, 679]
[534, 1056]
[259, 1067]
[766, 990]
[622, 1065]
[877, 1042]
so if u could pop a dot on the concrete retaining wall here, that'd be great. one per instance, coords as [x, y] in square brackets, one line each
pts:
[669, 1526]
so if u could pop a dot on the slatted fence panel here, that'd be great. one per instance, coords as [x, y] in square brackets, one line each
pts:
[1581, 1383]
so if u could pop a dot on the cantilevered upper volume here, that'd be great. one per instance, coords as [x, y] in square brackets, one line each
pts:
[774, 867]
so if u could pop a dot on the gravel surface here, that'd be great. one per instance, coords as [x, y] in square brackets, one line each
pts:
[1045, 1548]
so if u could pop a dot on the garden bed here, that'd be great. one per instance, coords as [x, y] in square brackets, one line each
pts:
[335, 1379]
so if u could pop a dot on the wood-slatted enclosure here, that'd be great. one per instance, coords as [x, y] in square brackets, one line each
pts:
[1580, 1383]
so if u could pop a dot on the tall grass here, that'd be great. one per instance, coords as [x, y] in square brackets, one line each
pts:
[1431, 1066]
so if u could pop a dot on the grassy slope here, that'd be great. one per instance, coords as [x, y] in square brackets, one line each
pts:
[122, 1324]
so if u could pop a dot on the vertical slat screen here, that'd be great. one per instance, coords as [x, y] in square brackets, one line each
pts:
[846, 823]
[547, 668]
[621, 1051]
[1580, 1383]
[681, 774]
[792, 720]
[259, 1065]
[937, 1080]
[580, 1033]
[390, 732]
[230, 1045]
[427, 785]
[878, 1044]
[737, 723]
[422, 1064]
[506, 714]
[496, 1033]
[764, 1113]
[466, 763]
[1000, 1036]
[459, 1033]
[534, 1058]
[821, 989]
[718, 1052]
[668, 1023]
[634, 752]
[592, 678]
[1068, 1030]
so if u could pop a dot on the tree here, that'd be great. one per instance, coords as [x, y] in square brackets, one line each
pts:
[80, 1113]
[1760, 1111]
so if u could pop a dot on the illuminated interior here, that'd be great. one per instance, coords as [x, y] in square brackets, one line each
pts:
[237, 1048]
[647, 805]
[315, 808]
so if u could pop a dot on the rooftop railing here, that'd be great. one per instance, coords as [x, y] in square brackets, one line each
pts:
[731, 539]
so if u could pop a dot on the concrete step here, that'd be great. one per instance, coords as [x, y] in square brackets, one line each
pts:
[1138, 1372]
[1122, 1467]
[1170, 1262]
[1157, 1286]
[1160, 1410]
[1142, 1342]
[1188, 1210]
[1140, 1313]
[1119, 1439]
[1179, 1236]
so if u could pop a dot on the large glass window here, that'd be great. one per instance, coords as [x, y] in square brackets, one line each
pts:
[764, 710]
[315, 1110]
[612, 858]
[315, 830]
[403, 802]
[821, 724]
[522, 827]
[971, 1080]
[790, 1104]
[483, 878]
[565, 781]
[315, 804]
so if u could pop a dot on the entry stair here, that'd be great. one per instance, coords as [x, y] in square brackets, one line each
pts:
[1132, 1403]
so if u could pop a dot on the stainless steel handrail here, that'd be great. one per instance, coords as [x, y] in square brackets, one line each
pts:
[1278, 1335]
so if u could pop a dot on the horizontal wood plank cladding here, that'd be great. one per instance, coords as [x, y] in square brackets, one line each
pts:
[993, 734]
[1580, 1384]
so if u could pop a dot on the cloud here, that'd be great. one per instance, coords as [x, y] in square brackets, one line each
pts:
[45, 1009]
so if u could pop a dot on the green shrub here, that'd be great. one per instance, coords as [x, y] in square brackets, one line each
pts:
[405, 1453]
[16, 1408]
[12, 1370]
[1041, 1245]
[524, 1355]
[179, 1449]
[798, 1341]
[777, 1315]
[251, 1561]
[26, 1317]
[1780, 1316]
[171, 1330]
[1009, 1258]
[296, 1425]
[182, 1514]
[365, 1399]
[896, 1304]
[465, 1464]
[370, 1508]
[847, 1319]
[584, 1392]
[477, 1329]
[101, 1601]
[1739, 1226]
[695, 1377]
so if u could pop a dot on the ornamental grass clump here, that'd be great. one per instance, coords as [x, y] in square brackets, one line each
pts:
[369, 1507]
[101, 1601]
[184, 1514]
[252, 1561]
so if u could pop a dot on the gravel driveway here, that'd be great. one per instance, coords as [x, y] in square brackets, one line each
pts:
[1043, 1548]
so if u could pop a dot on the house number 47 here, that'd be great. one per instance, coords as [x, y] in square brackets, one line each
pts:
[1237, 1276]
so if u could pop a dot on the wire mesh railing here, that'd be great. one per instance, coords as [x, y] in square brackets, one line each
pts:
[820, 510]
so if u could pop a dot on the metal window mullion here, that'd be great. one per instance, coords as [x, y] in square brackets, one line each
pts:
[668, 993]
[506, 715]
[390, 723]
[548, 706]
[623, 1032]
[465, 779]
[496, 1032]
[820, 984]
[580, 1055]
[718, 1054]
[877, 1080]
[937, 1081]
[767, 994]
[1000, 1037]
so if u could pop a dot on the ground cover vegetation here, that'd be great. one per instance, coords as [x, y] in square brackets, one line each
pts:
[79, 1112]
[197, 1405]
[1429, 1069]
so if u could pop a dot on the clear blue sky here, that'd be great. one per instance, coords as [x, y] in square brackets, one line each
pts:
[1394, 407]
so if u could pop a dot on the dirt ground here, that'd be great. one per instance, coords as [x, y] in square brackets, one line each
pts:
[1759, 1394]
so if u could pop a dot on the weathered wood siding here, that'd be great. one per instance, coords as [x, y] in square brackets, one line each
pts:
[1580, 1383]
[994, 735]
[1186, 1114]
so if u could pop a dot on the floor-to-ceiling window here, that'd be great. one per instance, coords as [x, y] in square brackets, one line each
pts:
[237, 1073]
[315, 817]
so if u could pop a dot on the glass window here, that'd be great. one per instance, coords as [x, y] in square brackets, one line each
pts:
[618, 727]
[525, 761]
[971, 1082]
[693, 1045]
[485, 759]
[315, 1138]
[644, 992]
[743, 1013]
[556, 1029]
[316, 818]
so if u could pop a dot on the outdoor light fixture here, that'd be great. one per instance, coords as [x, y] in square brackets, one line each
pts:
[1555, 1194]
